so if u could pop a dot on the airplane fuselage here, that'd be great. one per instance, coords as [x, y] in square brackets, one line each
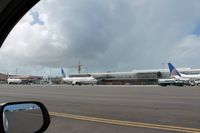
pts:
[194, 76]
[80, 80]
[14, 81]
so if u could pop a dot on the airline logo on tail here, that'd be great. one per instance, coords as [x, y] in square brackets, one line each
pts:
[63, 73]
[173, 71]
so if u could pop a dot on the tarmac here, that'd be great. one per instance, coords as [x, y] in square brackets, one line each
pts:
[117, 109]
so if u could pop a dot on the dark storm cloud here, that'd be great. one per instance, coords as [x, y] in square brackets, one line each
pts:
[95, 29]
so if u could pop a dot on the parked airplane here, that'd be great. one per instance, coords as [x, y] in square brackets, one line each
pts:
[78, 80]
[14, 81]
[22, 79]
[175, 73]
[190, 79]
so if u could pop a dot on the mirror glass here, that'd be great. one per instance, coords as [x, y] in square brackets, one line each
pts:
[22, 118]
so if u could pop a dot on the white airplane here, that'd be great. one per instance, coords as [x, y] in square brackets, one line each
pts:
[176, 74]
[78, 80]
[14, 81]
[18, 79]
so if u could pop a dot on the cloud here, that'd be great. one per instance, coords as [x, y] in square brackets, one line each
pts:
[105, 35]
[186, 51]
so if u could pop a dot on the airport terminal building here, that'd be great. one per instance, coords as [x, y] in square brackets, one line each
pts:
[135, 77]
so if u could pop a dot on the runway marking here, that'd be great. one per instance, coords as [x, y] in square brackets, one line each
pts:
[126, 123]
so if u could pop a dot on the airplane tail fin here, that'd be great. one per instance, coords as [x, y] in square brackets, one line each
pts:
[63, 73]
[173, 70]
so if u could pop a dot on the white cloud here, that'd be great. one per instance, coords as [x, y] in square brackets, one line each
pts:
[106, 35]
[186, 52]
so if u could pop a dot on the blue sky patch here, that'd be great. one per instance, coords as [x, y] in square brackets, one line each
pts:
[197, 30]
[36, 18]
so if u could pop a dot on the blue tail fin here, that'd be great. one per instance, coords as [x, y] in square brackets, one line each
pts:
[173, 71]
[63, 73]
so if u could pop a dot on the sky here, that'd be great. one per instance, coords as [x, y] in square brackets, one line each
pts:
[104, 35]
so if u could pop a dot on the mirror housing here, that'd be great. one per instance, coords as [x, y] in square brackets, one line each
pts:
[24, 114]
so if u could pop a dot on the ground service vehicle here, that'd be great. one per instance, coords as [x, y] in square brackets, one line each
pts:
[166, 82]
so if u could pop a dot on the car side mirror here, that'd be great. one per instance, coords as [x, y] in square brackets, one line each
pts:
[24, 117]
